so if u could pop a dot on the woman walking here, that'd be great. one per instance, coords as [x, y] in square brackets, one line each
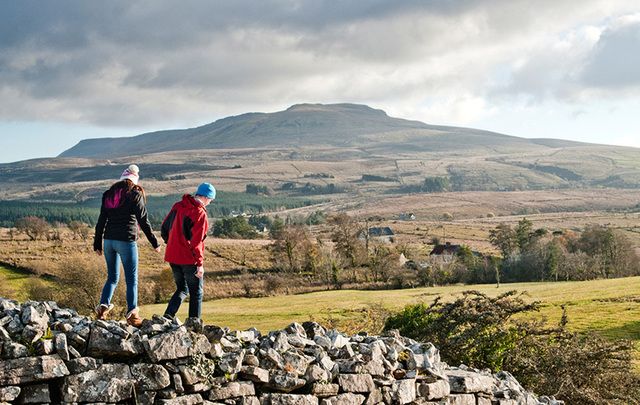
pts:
[122, 211]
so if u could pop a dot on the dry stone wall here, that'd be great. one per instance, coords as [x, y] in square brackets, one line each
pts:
[52, 355]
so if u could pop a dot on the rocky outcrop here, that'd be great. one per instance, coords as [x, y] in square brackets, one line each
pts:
[53, 355]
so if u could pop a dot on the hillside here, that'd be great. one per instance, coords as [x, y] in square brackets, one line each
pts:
[306, 125]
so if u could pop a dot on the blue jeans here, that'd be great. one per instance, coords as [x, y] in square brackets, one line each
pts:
[186, 283]
[127, 252]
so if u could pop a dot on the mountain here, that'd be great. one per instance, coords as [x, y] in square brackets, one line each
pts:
[304, 125]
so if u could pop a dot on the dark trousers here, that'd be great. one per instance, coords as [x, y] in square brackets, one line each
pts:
[186, 283]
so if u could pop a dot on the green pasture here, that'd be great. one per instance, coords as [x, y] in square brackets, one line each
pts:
[13, 283]
[608, 307]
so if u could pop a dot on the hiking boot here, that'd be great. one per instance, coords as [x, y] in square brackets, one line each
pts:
[103, 310]
[133, 318]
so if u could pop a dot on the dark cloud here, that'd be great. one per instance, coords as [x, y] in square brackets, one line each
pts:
[615, 60]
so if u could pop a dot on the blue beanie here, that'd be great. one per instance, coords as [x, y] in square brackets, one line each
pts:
[206, 190]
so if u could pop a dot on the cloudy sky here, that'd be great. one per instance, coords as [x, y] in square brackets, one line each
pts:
[71, 70]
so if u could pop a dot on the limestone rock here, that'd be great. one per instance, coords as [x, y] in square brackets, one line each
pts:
[359, 383]
[150, 377]
[344, 399]
[106, 343]
[32, 369]
[288, 399]
[436, 390]
[176, 344]
[109, 383]
[232, 390]
[8, 394]
[465, 382]
[35, 394]
[193, 399]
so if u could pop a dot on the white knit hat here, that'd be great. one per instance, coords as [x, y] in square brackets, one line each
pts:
[131, 173]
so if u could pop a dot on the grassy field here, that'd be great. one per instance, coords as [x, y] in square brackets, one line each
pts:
[13, 283]
[608, 307]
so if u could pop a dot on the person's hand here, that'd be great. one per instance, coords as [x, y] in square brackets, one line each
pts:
[158, 249]
[200, 271]
[99, 252]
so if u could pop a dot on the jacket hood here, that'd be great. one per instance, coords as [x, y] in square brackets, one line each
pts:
[190, 203]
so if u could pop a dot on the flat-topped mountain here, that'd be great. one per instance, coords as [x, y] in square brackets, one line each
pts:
[304, 125]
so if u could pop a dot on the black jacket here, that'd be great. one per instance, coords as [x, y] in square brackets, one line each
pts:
[122, 223]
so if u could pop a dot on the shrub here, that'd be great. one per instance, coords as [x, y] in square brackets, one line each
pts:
[33, 227]
[485, 332]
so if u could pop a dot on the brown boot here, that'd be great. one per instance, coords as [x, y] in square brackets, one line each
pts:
[133, 318]
[103, 310]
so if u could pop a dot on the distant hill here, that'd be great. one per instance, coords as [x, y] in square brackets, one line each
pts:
[304, 125]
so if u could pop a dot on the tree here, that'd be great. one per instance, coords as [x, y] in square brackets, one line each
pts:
[524, 233]
[277, 226]
[234, 228]
[79, 229]
[294, 251]
[504, 238]
[347, 243]
[33, 227]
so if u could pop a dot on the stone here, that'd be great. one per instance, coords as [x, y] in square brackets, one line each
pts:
[465, 382]
[461, 399]
[213, 333]
[176, 381]
[248, 401]
[8, 394]
[231, 363]
[4, 335]
[436, 390]
[108, 383]
[35, 313]
[285, 382]
[232, 390]
[375, 368]
[404, 391]
[104, 343]
[198, 387]
[35, 394]
[375, 397]
[73, 353]
[316, 373]
[62, 348]
[295, 362]
[324, 390]
[192, 399]
[44, 347]
[150, 377]
[288, 399]
[146, 397]
[359, 383]
[32, 333]
[82, 364]
[313, 329]
[13, 350]
[175, 345]
[32, 369]
[255, 374]
[344, 399]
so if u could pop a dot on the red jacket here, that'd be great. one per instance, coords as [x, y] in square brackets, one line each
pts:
[184, 230]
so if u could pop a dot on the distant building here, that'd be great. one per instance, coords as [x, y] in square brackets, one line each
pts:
[446, 249]
[381, 234]
[407, 216]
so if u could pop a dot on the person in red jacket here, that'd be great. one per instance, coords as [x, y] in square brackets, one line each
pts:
[184, 231]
